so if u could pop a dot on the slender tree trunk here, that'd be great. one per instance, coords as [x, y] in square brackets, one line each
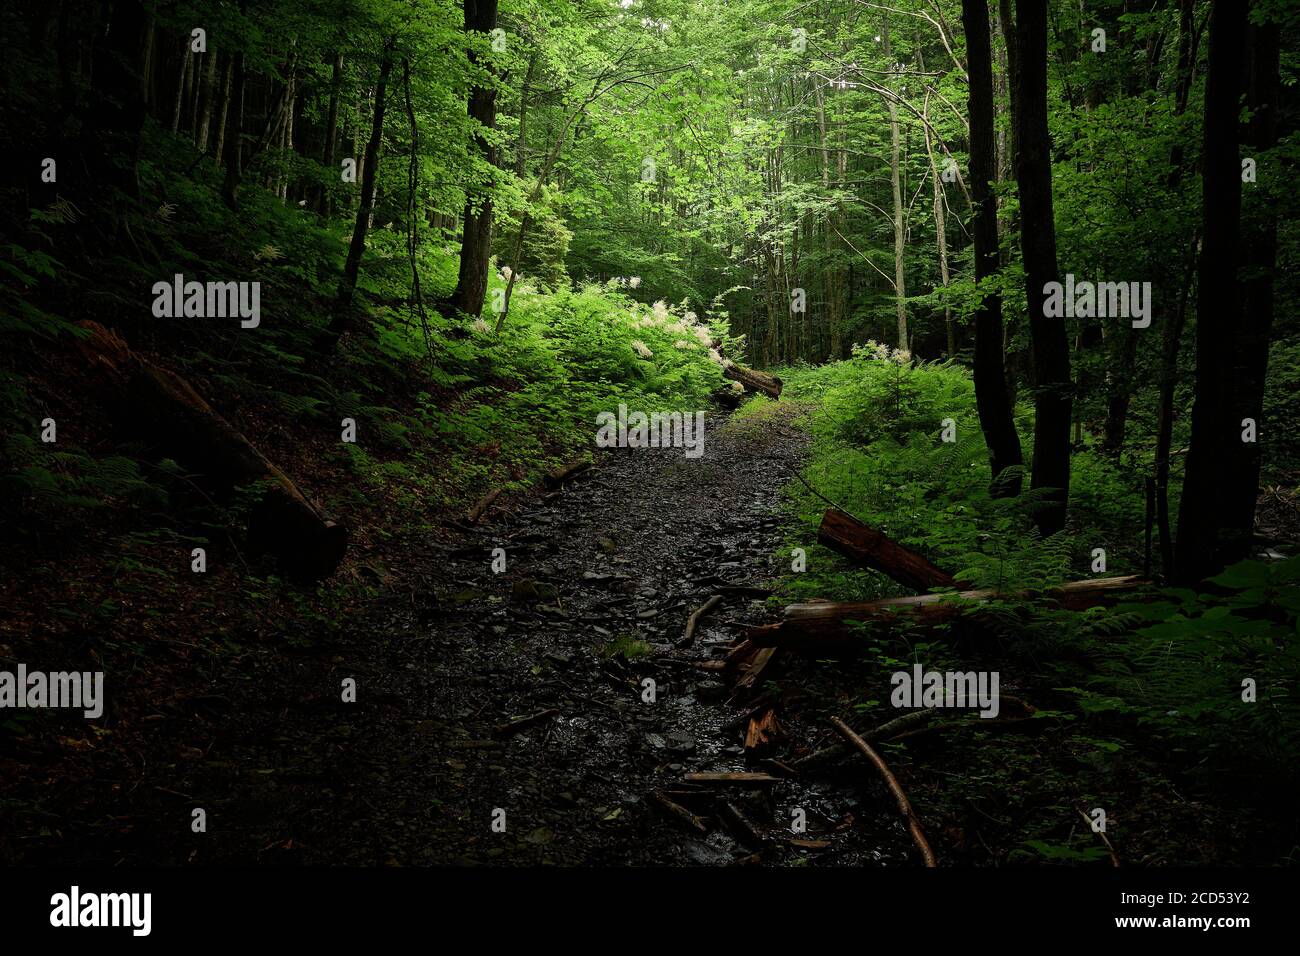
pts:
[1216, 439]
[331, 131]
[179, 102]
[1053, 396]
[205, 109]
[1171, 335]
[476, 236]
[234, 134]
[348, 284]
[991, 397]
[900, 279]
[521, 145]
[223, 109]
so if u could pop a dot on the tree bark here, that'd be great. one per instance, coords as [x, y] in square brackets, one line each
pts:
[1053, 392]
[1259, 253]
[1216, 440]
[205, 110]
[234, 134]
[991, 399]
[865, 545]
[348, 284]
[331, 132]
[900, 278]
[476, 236]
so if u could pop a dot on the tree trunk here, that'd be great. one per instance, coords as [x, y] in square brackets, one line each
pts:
[348, 284]
[1259, 254]
[235, 133]
[219, 151]
[205, 110]
[115, 112]
[900, 279]
[179, 102]
[991, 399]
[331, 132]
[1215, 437]
[476, 236]
[1053, 396]
[521, 145]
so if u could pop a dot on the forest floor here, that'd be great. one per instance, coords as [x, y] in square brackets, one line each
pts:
[600, 579]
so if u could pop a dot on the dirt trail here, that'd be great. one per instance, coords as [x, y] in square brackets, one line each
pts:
[412, 773]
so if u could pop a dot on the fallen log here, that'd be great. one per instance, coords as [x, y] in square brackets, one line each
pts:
[680, 812]
[474, 514]
[904, 805]
[728, 397]
[752, 379]
[862, 543]
[820, 626]
[166, 410]
[558, 476]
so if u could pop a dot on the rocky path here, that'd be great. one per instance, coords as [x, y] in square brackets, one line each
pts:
[599, 581]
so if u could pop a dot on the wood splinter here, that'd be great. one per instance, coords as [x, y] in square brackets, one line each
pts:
[904, 805]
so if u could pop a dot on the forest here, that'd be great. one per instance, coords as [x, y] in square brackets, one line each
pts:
[696, 433]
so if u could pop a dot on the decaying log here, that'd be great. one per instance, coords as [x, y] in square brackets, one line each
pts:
[762, 730]
[166, 410]
[694, 619]
[822, 626]
[864, 544]
[904, 805]
[476, 513]
[756, 667]
[729, 397]
[558, 476]
[752, 379]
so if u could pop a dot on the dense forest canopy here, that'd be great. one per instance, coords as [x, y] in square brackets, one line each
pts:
[332, 271]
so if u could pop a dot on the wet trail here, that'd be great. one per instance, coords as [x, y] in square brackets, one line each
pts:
[416, 771]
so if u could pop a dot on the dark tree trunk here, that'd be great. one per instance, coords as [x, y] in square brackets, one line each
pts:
[223, 108]
[521, 145]
[1215, 437]
[476, 237]
[205, 110]
[991, 397]
[331, 130]
[234, 133]
[348, 284]
[1053, 396]
[1251, 342]
[116, 109]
